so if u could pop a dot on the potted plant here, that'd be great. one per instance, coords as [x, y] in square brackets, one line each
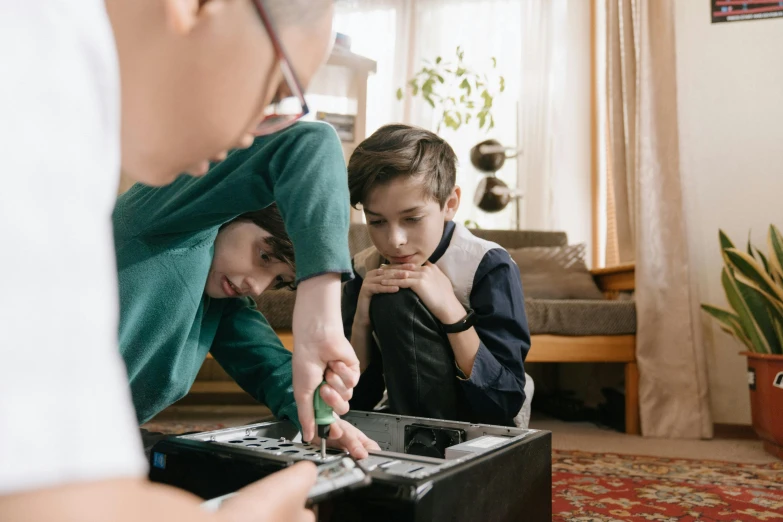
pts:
[753, 284]
[456, 92]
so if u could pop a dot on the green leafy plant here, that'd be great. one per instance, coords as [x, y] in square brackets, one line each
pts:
[460, 94]
[753, 284]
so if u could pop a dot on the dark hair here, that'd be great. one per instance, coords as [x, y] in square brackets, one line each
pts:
[296, 12]
[402, 150]
[282, 248]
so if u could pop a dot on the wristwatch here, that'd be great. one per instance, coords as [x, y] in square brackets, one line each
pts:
[466, 323]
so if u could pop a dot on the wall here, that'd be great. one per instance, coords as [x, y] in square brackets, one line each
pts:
[730, 97]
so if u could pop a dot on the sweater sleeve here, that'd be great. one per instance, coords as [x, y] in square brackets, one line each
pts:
[301, 168]
[252, 354]
[496, 385]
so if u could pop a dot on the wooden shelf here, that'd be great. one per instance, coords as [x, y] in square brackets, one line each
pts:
[589, 348]
[616, 278]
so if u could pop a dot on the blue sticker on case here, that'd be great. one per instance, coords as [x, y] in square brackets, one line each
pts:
[159, 460]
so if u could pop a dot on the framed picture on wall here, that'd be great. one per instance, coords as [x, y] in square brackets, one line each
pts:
[739, 11]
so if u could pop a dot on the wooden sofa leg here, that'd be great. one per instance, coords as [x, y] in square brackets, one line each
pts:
[632, 399]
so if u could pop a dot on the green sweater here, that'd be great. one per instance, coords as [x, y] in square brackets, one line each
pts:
[164, 239]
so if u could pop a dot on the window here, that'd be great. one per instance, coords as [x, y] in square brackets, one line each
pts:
[400, 34]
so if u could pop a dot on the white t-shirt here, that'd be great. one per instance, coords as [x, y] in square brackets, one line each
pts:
[65, 409]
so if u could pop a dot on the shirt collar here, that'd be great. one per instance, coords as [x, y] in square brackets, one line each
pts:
[445, 241]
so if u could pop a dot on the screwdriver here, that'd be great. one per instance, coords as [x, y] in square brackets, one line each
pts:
[324, 417]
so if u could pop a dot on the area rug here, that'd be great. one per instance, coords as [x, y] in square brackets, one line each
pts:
[589, 487]
[592, 487]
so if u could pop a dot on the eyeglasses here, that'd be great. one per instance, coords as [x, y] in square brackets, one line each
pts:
[274, 118]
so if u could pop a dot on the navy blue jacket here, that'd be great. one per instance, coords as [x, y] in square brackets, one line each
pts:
[495, 389]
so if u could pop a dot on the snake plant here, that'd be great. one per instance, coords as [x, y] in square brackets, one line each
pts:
[753, 283]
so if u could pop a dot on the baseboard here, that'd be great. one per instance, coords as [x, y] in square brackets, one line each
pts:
[734, 431]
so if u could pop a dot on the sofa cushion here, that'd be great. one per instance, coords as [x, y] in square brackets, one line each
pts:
[522, 238]
[278, 307]
[556, 272]
[581, 317]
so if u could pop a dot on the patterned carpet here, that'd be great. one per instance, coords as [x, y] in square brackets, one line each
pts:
[589, 487]
[592, 487]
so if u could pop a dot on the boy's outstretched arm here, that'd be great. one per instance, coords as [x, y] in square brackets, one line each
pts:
[252, 354]
[318, 340]
[248, 349]
[280, 496]
[313, 199]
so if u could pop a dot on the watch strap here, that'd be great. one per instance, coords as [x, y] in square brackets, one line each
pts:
[462, 325]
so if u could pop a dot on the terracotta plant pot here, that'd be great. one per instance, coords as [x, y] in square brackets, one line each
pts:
[765, 380]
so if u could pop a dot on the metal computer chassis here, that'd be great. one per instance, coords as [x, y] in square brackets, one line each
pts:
[481, 473]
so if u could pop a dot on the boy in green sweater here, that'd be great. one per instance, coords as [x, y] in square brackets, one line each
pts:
[191, 253]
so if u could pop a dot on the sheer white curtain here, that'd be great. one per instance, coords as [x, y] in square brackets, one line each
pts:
[400, 34]
[554, 123]
[530, 40]
[537, 94]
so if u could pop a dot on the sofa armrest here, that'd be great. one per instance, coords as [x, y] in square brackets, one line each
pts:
[613, 279]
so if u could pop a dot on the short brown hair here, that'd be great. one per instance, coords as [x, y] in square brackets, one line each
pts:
[402, 150]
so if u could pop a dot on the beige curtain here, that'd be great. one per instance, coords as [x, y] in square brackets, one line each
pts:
[622, 86]
[650, 227]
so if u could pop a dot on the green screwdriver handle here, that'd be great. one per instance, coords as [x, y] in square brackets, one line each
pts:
[323, 412]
